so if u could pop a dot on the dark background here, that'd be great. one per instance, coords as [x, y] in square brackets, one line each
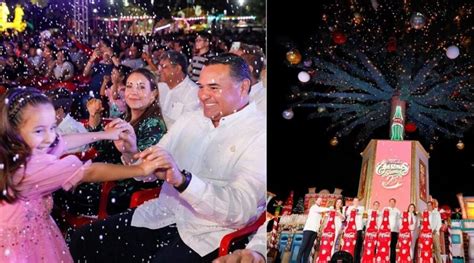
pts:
[299, 154]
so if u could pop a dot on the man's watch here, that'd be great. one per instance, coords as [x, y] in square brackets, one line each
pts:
[187, 179]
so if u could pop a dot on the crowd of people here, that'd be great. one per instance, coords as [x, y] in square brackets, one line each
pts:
[182, 112]
[317, 218]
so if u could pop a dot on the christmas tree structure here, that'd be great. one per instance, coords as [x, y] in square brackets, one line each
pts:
[366, 53]
[299, 207]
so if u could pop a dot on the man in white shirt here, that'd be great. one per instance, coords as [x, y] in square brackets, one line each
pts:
[394, 219]
[214, 166]
[178, 93]
[310, 230]
[359, 226]
[255, 58]
[435, 225]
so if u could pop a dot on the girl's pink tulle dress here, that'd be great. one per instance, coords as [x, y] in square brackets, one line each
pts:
[27, 231]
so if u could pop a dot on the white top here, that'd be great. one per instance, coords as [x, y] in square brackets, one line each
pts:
[394, 219]
[258, 93]
[228, 187]
[59, 70]
[258, 242]
[178, 100]
[358, 218]
[313, 222]
[415, 222]
[133, 63]
[69, 126]
[435, 220]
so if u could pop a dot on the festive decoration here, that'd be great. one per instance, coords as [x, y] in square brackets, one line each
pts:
[18, 24]
[350, 234]
[417, 20]
[357, 19]
[383, 239]
[303, 76]
[370, 239]
[404, 241]
[410, 127]
[272, 247]
[460, 145]
[288, 205]
[392, 44]
[299, 207]
[288, 114]
[452, 52]
[425, 240]
[339, 38]
[327, 239]
[334, 141]
[398, 121]
[293, 56]
[358, 73]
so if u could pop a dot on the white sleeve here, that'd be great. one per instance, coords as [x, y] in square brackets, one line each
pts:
[258, 242]
[233, 204]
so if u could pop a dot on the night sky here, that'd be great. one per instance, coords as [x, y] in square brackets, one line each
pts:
[299, 154]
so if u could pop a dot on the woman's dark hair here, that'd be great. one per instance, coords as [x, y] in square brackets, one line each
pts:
[13, 150]
[123, 71]
[154, 109]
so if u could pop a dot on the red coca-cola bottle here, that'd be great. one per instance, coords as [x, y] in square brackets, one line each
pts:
[327, 239]
[404, 241]
[370, 239]
[350, 233]
[425, 241]
[383, 239]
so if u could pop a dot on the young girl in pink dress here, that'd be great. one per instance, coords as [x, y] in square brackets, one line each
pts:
[31, 169]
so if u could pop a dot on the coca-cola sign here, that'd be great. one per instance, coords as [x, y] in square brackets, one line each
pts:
[406, 235]
[392, 172]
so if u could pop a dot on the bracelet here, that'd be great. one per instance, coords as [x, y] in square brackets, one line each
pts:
[187, 179]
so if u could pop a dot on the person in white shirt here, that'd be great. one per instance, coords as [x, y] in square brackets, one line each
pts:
[310, 230]
[394, 219]
[64, 69]
[435, 225]
[214, 167]
[375, 207]
[255, 58]
[62, 100]
[413, 225]
[178, 93]
[338, 206]
[359, 225]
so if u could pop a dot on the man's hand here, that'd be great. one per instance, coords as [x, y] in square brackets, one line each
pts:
[167, 168]
[243, 256]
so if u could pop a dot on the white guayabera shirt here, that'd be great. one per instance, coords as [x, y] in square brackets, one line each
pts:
[228, 186]
[178, 100]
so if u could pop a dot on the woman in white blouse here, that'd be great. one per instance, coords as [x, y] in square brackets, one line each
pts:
[413, 224]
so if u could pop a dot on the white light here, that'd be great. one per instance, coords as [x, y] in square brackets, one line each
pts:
[94, 10]
[111, 2]
[241, 2]
[125, 3]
